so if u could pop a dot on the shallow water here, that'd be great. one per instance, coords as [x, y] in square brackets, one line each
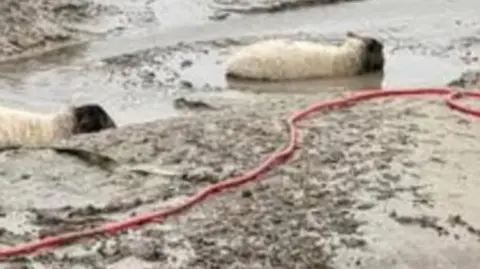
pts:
[416, 48]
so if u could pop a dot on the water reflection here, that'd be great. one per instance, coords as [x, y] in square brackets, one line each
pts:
[369, 81]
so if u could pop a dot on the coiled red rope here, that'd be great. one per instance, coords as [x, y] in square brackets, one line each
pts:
[273, 160]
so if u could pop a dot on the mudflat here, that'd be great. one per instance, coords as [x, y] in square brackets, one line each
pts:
[389, 183]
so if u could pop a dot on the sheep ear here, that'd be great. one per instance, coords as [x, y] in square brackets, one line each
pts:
[350, 34]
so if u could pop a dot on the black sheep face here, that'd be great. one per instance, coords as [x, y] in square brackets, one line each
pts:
[373, 59]
[92, 118]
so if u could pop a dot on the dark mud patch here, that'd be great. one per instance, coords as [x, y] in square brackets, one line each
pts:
[89, 157]
[182, 103]
[469, 48]
[427, 222]
[457, 220]
[467, 80]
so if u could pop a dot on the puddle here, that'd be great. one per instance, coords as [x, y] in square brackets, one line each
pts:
[371, 81]
[206, 69]
[403, 69]
[75, 84]
[214, 63]
[406, 69]
[121, 91]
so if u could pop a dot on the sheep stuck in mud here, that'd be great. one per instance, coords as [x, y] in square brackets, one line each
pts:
[281, 59]
[25, 128]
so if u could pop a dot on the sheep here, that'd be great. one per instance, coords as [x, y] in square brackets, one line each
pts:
[30, 129]
[282, 59]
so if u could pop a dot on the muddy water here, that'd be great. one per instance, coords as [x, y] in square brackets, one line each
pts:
[417, 44]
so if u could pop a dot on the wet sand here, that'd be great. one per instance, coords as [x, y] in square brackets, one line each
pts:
[384, 184]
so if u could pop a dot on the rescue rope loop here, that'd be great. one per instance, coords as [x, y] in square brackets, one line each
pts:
[451, 98]
[453, 102]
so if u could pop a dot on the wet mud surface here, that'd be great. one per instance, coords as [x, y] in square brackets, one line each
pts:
[384, 184]
[266, 6]
[33, 27]
[355, 184]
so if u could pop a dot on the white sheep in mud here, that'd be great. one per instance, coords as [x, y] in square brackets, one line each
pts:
[281, 59]
[25, 128]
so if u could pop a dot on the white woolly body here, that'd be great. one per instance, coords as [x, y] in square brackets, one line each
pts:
[281, 59]
[23, 128]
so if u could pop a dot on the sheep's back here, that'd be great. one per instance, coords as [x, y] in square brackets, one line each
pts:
[25, 128]
[282, 59]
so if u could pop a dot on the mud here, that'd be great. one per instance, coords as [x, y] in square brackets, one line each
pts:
[269, 6]
[32, 28]
[468, 80]
[384, 184]
[350, 174]
[28, 25]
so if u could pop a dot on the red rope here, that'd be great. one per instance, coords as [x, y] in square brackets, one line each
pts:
[273, 160]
